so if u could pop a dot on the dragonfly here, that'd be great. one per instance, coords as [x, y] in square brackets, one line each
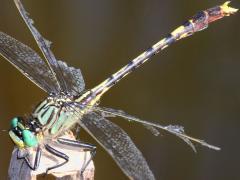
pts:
[68, 104]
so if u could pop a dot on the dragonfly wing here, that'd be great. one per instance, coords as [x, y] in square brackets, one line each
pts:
[28, 62]
[68, 79]
[172, 129]
[119, 145]
[120, 113]
[44, 46]
[73, 78]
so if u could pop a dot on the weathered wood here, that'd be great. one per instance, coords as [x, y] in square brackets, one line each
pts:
[18, 168]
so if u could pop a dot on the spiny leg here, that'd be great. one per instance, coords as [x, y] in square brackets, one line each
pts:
[58, 154]
[36, 161]
[77, 131]
[84, 146]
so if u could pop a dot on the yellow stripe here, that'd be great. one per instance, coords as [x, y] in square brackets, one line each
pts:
[177, 31]
[227, 10]
[16, 140]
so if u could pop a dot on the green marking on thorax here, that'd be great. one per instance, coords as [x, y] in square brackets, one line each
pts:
[62, 118]
[43, 118]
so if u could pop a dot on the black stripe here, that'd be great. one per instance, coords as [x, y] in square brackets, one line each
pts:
[43, 106]
[44, 113]
[51, 117]
[200, 16]
[130, 63]
[56, 119]
[186, 23]
[171, 39]
[150, 50]
[215, 11]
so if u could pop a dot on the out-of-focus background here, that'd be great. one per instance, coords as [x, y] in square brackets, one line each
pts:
[194, 83]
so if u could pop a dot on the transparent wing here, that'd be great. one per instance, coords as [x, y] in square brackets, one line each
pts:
[173, 129]
[73, 78]
[119, 145]
[28, 63]
[109, 112]
[44, 46]
[68, 79]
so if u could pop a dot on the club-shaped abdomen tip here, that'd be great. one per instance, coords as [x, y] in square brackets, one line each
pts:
[227, 10]
[30, 140]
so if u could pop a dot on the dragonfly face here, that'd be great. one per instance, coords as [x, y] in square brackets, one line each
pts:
[22, 136]
[49, 119]
[60, 111]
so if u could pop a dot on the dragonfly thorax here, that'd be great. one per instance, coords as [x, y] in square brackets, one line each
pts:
[55, 115]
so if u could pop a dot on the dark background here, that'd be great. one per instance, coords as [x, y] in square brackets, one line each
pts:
[195, 83]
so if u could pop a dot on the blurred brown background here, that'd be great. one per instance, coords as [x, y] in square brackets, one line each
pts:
[195, 83]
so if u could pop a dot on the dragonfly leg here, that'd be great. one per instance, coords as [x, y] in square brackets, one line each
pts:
[58, 154]
[77, 131]
[36, 161]
[84, 146]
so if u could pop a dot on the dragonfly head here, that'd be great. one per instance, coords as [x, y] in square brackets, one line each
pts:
[21, 135]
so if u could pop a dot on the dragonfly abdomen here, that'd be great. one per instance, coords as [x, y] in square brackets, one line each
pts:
[198, 22]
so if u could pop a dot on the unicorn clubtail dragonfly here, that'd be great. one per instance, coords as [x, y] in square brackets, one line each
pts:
[68, 103]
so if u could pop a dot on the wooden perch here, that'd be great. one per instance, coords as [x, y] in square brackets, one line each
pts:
[18, 168]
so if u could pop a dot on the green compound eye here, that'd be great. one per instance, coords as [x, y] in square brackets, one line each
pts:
[29, 138]
[17, 122]
[14, 122]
